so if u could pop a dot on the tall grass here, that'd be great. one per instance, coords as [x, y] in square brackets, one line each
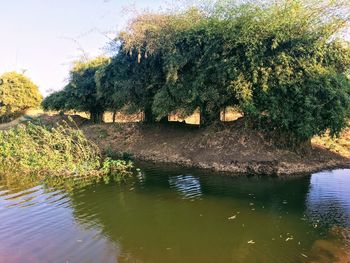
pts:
[61, 151]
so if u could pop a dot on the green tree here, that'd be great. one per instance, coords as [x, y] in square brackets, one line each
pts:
[17, 94]
[129, 84]
[292, 68]
[198, 75]
[56, 101]
[183, 51]
[80, 94]
[283, 64]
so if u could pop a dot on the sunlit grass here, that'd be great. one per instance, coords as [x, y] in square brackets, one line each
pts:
[62, 152]
[339, 145]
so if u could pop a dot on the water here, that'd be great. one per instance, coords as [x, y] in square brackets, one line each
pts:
[178, 215]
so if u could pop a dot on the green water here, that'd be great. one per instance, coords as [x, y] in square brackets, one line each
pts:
[170, 214]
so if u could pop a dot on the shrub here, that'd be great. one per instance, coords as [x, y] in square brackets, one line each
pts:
[54, 152]
[17, 94]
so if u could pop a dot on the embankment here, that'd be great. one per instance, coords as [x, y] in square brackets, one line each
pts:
[226, 148]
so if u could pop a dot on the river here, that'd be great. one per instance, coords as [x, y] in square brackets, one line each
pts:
[172, 214]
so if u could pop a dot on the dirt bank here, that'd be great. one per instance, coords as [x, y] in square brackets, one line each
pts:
[226, 148]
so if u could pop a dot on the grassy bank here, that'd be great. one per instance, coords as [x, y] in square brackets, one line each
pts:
[61, 151]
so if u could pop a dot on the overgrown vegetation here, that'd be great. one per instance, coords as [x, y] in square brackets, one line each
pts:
[61, 152]
[17, 94]
[283, 64]
[340, 144]
[80, 94]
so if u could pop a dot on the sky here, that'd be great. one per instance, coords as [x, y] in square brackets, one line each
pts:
[43, 37]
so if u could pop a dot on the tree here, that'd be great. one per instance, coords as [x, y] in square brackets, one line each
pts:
[17, 94]
[292, 68]
[283, 64]
[129, 84]
[56, 101]
[198, 75]
[80, 93]
[184, 51]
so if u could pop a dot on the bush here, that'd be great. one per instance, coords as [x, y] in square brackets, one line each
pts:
[17, 94]
[54, 152]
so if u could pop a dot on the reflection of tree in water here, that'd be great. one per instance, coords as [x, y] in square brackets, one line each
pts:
[274, 193]
[188, 185]
[181, 215]
[37, 224]
[156, 224]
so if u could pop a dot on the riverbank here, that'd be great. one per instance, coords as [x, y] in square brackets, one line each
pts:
[230, 147]
[42, 153]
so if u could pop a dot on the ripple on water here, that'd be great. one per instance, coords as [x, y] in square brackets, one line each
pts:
[328, 200]
[153, 219]
[188, 185]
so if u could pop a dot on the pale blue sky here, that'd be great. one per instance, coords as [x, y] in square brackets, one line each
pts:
[39, 35]
[44, 37]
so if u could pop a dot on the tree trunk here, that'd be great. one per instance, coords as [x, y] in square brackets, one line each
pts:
[203, 118]
[164, 120]
[96, 116]
[114, 116]
[148, 115]
[209, 117]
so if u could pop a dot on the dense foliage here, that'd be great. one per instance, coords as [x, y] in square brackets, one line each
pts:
[283, 64]
[81, 93]
[61, 151]
[17, 94]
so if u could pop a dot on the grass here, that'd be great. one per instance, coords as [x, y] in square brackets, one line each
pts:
[340, 145]
[62, 152]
